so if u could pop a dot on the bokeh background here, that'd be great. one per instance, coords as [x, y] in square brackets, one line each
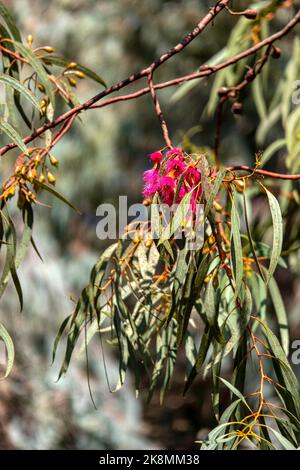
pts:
[103, 157]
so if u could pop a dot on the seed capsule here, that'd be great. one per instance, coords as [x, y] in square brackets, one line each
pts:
[48, 49]
[42, 178]
[250, 14]
[276, 52]
[223, 91]
[237, 108]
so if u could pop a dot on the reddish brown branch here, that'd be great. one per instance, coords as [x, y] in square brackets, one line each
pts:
[213, 12]
[143, 73]
[159, 113]
[268, 174]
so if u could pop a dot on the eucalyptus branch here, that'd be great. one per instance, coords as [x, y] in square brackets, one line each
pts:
[204, 72]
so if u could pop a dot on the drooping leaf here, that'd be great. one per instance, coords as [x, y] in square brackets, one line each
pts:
[20, 88]
[277, 234]
[13, 135]
[9, 345]
[9, 20]
[236, 249]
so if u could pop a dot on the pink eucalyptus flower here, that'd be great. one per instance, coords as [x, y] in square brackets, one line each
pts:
[156, 157]
[174, 152]
[151, 179]
[167, 187]
[176, 166]
[192, 176]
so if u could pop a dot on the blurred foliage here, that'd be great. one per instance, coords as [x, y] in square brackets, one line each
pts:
[103, 156]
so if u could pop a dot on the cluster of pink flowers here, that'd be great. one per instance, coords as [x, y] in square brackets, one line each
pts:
[165, 175]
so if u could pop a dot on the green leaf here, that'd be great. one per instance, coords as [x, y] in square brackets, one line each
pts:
[203, 350]
[179, 217]
[289, 387]
[27, 234]
[59, 335]
[57, 195]
[259, 98]
[9, 20]
[286, 444]
[280, 314]
[214, 191]
[13, 135]
[19, 87]
[4, 335]
[9, 265]
[277, 234]
[236, 392]
[236, 249]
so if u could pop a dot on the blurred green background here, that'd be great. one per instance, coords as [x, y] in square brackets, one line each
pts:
[103, 157]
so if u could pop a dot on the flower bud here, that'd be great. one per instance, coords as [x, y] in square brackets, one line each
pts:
[72, 81]
[147, 202]
[218, 206]
[41, 87]
[29, 40]
[79, 74]
[42, 178]
[53, 160]
[51, 178]
[11, 192]
[31, 175]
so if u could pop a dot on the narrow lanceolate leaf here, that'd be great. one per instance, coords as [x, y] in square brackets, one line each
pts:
[236, 392]
[19, 87]
[13, 135]
[202, 353]
[9, 345]
[236, 249]
[56, 194]
[280, 314]
[289, 386]
[251, 239]
[214, 191]
[9, 20]
[277, 234]
[9, 263]
[37, 66]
